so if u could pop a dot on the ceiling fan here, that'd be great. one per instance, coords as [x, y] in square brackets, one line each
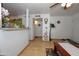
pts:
[64, 5]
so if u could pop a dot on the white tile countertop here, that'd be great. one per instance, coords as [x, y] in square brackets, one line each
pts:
[71, 49]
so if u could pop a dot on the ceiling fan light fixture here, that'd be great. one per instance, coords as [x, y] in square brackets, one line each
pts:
[63, 4]
[66, 4]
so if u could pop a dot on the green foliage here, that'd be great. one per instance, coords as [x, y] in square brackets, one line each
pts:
[18, 22]
[14, 22]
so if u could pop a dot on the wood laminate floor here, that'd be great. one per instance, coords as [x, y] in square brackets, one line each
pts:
[37, 47]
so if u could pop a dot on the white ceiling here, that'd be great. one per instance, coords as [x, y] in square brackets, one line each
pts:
[38, 8]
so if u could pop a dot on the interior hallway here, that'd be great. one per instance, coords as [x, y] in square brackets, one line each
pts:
[37, 47]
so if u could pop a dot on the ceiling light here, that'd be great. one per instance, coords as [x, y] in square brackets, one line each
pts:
[36, 22]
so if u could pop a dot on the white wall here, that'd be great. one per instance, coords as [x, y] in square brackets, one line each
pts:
[13, 42]
[38, 31]
[27, 18]
[75, 32]
[31, 27]
[62, 30]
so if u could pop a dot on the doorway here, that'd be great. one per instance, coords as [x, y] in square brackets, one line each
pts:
[37, 27]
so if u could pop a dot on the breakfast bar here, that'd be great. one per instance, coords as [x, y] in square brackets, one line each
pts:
[13, 41]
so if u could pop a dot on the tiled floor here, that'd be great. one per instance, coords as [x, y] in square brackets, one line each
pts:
[37, 47]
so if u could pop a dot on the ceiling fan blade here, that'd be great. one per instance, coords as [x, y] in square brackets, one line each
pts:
[54, 5]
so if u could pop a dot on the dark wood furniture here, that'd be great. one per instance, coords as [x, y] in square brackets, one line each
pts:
[60, 50]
